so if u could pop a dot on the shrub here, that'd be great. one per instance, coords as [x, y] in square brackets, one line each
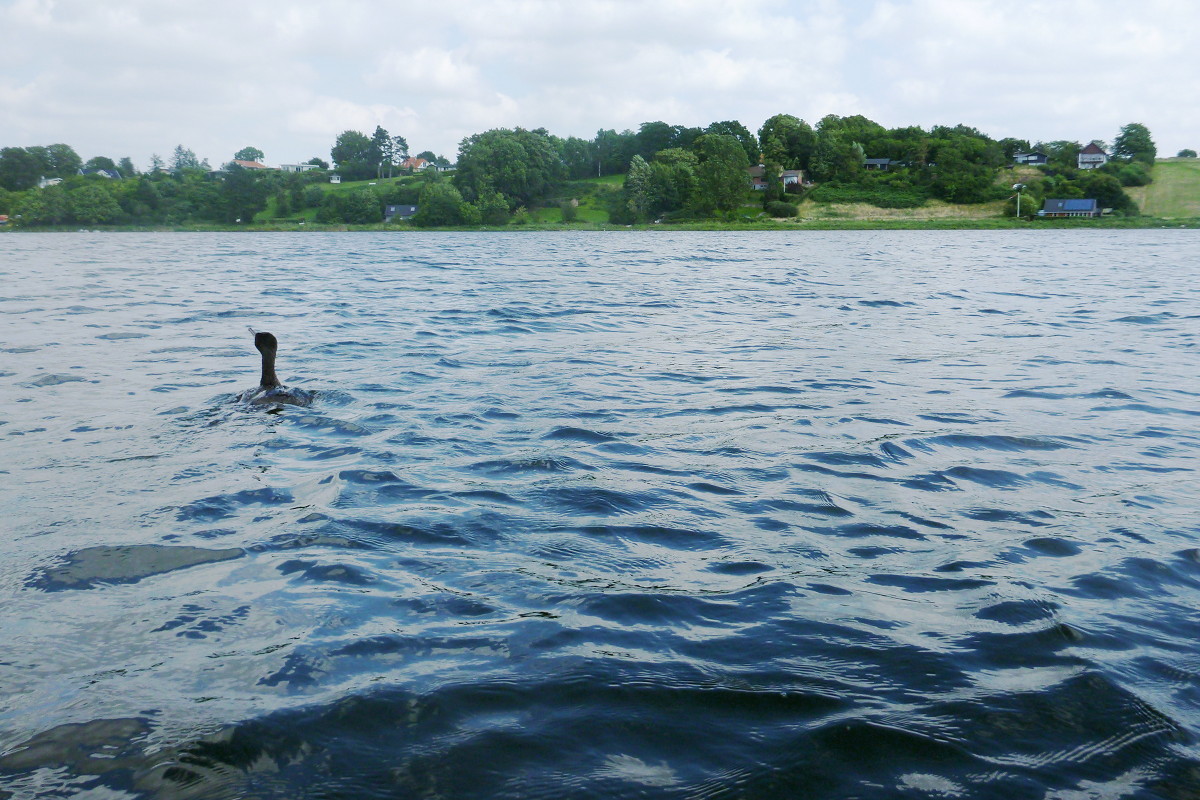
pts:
[1134, 173]
[570, 210]
[780, 208]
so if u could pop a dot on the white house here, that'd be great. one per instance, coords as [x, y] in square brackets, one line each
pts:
[297, 167]
[1092, 156]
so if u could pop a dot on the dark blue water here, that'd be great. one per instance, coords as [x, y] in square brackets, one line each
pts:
[614, 515]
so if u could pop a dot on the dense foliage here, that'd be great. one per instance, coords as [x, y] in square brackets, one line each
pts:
[505, 176]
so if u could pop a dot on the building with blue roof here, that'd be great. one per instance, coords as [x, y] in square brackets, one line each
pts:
[1070, 207]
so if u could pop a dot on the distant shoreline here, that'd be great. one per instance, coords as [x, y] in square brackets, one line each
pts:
[992, 223]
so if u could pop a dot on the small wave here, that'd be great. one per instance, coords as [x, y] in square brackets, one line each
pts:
[574, 434]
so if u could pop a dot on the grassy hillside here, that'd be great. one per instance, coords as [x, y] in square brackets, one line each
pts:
[1175, 192]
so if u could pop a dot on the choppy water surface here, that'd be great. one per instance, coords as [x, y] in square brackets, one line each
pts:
[651, 515]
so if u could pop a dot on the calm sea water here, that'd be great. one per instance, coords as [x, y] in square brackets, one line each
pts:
[613, 515]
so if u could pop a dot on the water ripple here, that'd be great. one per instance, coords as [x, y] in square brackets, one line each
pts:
[655, 515]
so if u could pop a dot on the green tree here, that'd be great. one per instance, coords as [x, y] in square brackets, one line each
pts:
[381, 151]
[738, 131]
[522, 165]
[721, 176]
[959, 179]
[249, 154]
[493, 208]
[836, 157]
[19, 169]
[1134, 143]
[1186, 153]
[652, 137]
[1060, 154]
[1107, 191]
[93, 204]
[672, 179]
[318, 162]
[243, 194]
[399, 153]
[440, 204]
[47, 207]
[788, 141]
[637, 189]
[101, 163]
[63, 161]
[126, 168]
[362, 207]
[183, 158]
[578, 158]
[613, 150]
[352, 155]
[1010, 147]
[774, 191]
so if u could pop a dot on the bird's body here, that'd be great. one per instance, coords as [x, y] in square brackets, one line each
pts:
[270, 391]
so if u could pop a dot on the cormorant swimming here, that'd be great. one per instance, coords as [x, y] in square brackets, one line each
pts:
[269, 390]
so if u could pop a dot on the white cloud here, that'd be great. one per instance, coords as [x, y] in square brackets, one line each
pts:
[132, 77]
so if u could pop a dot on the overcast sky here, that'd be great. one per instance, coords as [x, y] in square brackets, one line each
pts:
[136, 77]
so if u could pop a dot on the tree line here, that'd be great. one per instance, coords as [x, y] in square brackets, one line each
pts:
[670, 172]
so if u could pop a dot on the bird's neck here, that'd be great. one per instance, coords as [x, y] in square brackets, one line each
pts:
[269, 378]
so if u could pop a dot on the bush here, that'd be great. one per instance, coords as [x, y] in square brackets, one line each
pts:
[779, 208]
[440, 204]
[1134, 174]
[313, 196]
[570, 210]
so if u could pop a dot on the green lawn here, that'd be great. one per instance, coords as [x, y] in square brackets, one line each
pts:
[1175, 192]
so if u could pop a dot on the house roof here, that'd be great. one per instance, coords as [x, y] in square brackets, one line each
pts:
[1071, 204]
[413, 162]
[878, 161]
[250, 164]
[1093, 149]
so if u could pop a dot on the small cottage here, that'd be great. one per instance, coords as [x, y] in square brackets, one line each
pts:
[398, 213]
[1035, 159]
